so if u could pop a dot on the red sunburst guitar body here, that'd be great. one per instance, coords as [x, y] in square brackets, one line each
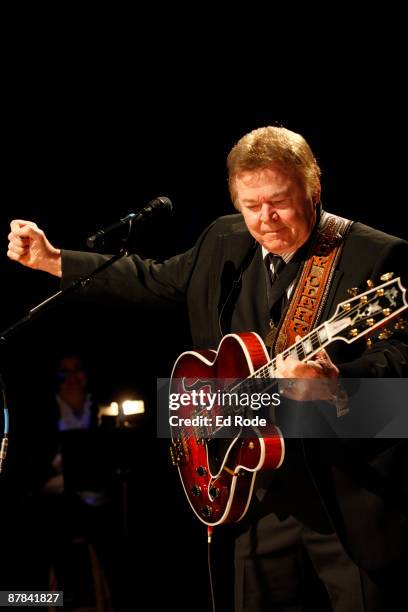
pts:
[219, 481]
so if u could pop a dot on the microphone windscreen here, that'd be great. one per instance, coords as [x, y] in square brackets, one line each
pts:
[162, 202]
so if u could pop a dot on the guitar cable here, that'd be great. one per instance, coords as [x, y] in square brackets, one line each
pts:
[4, 440]
[210, 530]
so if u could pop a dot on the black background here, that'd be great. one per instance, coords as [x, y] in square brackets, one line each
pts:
[92, 133]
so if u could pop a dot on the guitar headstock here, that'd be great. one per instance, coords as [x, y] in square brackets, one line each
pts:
[373, 309]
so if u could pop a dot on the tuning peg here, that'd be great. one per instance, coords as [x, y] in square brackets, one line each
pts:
[387, 276]
[369, 343]
[370, 283]
[400, 324]
[353, 291]
[385, 334]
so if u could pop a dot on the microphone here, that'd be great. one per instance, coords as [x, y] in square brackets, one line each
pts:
[160, 204]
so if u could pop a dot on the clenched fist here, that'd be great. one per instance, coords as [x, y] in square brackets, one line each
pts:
[29, 246]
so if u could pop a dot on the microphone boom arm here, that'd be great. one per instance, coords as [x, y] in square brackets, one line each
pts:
[77, 284]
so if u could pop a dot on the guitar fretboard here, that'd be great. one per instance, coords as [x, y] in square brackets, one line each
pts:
[301, 350]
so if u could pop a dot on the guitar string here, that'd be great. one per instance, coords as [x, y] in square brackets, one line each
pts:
[314, 335]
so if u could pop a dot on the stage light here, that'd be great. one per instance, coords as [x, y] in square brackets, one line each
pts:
[133, 407]
[121, 414]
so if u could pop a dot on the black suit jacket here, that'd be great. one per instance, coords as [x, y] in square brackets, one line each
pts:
[222, 281]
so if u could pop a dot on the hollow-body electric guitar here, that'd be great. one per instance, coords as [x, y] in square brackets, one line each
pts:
[216, 459]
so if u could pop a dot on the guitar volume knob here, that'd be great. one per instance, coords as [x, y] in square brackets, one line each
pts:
[201, 471]
[196, 490]
[206, 511]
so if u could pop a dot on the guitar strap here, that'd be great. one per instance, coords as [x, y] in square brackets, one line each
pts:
[309, 297]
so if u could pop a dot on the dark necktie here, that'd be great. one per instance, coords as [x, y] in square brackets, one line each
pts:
[274, 265]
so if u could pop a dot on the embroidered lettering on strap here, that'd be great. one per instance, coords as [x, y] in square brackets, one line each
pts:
[311, 291]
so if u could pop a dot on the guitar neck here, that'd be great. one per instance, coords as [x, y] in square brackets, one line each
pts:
[303, 349]
[352, 320]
